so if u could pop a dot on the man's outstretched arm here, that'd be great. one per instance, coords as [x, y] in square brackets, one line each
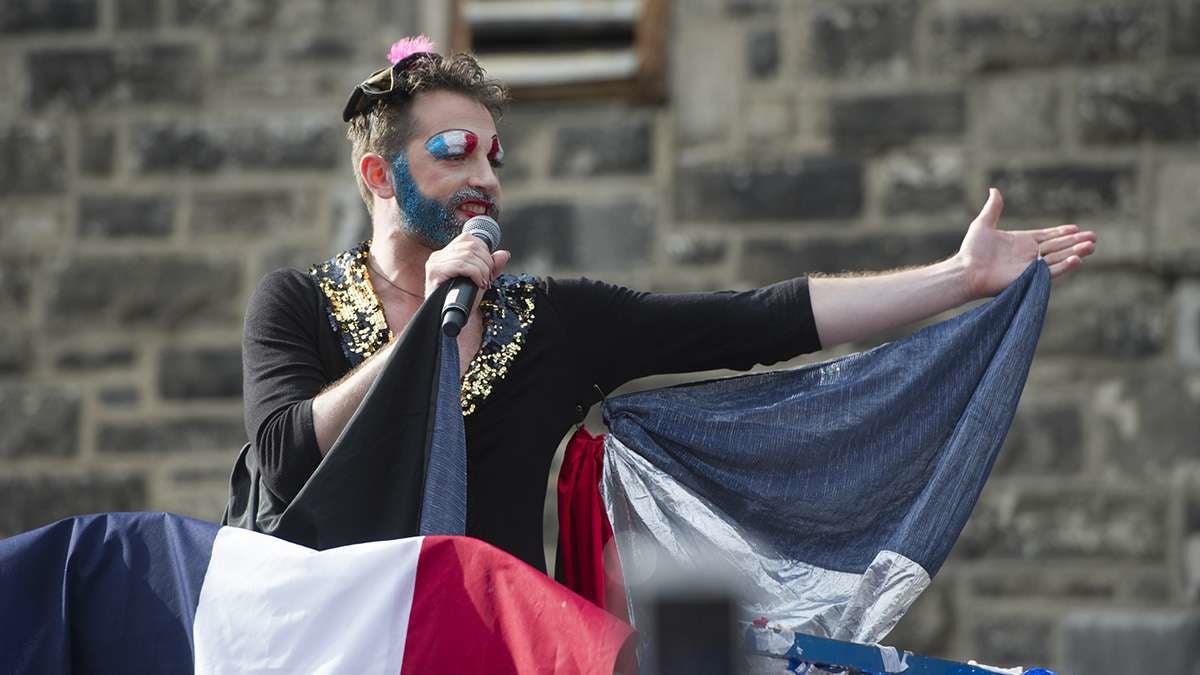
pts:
[851, 308]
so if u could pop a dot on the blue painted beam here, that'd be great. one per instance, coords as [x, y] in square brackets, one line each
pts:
[855, 658]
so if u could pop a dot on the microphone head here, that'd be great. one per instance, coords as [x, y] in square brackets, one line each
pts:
[486, 228]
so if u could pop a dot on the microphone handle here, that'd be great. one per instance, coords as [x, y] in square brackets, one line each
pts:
[458, 305]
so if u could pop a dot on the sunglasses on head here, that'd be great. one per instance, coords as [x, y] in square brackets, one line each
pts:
[382, 84]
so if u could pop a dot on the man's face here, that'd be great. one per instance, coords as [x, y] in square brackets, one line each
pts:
[447, 171]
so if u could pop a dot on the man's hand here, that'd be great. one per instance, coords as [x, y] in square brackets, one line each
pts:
[465, 256]
[993, 258]
[857, 307]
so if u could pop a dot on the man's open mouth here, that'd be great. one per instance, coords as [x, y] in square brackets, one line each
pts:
[474, 208]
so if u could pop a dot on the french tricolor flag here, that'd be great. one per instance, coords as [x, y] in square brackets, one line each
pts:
[155, 592]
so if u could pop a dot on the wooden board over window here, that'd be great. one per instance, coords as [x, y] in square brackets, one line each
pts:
[553, 49]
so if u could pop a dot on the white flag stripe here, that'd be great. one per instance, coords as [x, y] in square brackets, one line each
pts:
[270, 606]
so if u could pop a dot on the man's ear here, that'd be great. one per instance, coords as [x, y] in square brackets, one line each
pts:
[377, 174]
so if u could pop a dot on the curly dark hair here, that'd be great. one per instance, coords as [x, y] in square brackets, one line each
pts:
[387, 126]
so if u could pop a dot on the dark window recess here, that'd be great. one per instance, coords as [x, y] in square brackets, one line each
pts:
[568, 48]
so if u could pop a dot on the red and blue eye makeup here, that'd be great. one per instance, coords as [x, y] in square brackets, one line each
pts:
[452, 143]
[458, 143]
[496, 152]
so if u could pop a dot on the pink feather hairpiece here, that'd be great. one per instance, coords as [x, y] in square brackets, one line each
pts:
[408, 46]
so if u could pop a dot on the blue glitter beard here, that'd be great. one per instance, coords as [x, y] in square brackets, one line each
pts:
[428, 220]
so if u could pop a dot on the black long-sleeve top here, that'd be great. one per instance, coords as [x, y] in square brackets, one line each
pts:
[582, 338]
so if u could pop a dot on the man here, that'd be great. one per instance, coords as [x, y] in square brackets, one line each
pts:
[535, 354]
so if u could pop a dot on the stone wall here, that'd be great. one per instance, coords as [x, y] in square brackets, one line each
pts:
[156, 161]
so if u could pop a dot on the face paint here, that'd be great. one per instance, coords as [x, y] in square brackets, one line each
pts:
[452, 143]
[496, 153]
[430, 221]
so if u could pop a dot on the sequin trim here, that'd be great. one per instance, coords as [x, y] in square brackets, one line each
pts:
[508, 309]
[354, 312]
[357, 319]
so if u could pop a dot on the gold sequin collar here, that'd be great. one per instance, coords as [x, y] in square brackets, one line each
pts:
[508, 310]
[354, 312]
[357, 320]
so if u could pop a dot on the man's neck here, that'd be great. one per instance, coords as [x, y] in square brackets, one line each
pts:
[399, 256]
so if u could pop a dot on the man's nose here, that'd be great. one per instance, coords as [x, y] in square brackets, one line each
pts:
[484, 177]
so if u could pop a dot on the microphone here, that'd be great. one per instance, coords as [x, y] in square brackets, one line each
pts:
[462, 290]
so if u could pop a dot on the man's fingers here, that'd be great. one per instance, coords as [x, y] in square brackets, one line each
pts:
[990, 215]
[1051, 232]
[1081, 251]
[499, 260]
[1060, 268]
[1049, 246]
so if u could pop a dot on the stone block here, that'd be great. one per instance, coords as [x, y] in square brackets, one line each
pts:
[696, 251]
[135, 14]
[31, 161]
[186, 434]
[1147, 422]
[236, 54]
[862, 122]
[282, 142]
[27, 503]
[740, 8]
[28, 224]
[1018, 113]
[200, 503]
[1013, 641]
[982, 38]
[1184, 20]
[545, 236]
[1114, 109]
[523, 132]
[541, 236]
[1067, 191]
[1118, 315]
[616, 147]
[768, 260]
[22, 16]
[701, 83]
[1045, 584]
[38, 421]
[241, 214]
[97, 150]
[16, 349]
[119, 396]
[863, 39]
[1069, 523]
[1176, 232]
[799, 189]
[928, 626]
[298, 257]
[923, 183]
[16, 280]
[190, 477]
[252, 15]
[1190, 544]
[762, 53]
[88, 360]
[320, 47]
[87, 78]
[1187, 324]
[614, 235]
[110, 216]
[1046, 438]
[200, 373]
[128, 291]
[769, 118]
[1131, 641]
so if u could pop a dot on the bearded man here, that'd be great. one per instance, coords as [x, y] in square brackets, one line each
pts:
[536, 354]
